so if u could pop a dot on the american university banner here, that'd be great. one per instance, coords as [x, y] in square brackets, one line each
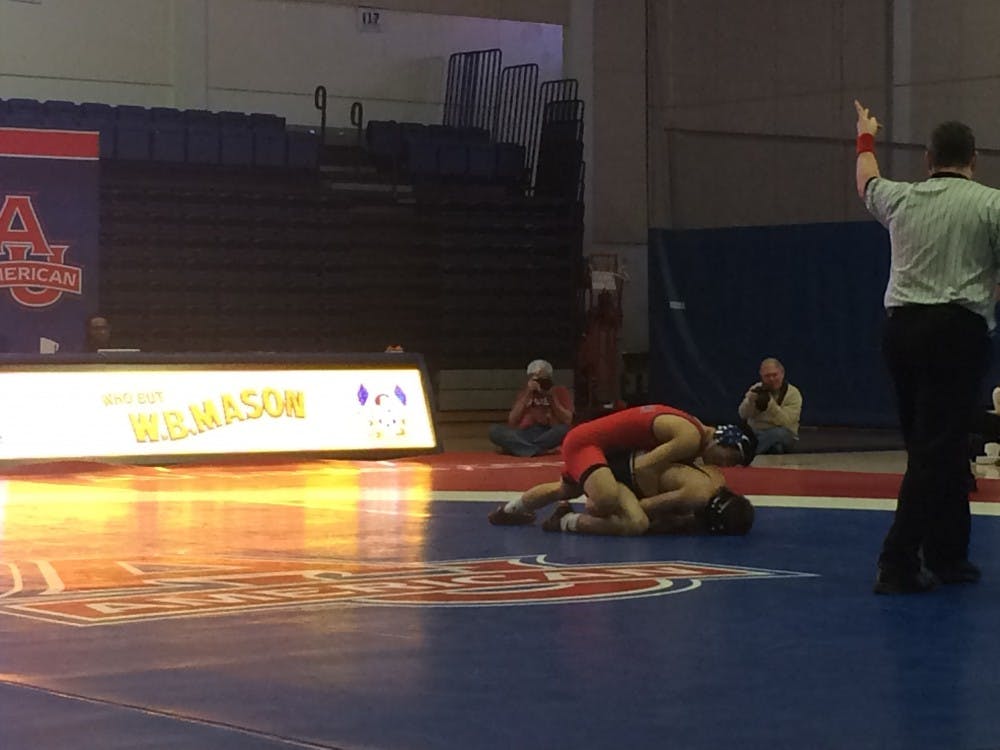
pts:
[48, 238]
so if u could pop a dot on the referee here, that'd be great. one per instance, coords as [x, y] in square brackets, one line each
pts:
[945, 238]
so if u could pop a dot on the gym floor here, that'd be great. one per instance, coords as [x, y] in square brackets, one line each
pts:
[369, 605]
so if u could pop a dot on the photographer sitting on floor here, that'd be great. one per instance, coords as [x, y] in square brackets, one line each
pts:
[540, 417]
[773, 407]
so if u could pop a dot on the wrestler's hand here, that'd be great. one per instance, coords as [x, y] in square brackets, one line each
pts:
[866, 123]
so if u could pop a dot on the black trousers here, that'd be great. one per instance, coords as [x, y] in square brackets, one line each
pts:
[937, 356]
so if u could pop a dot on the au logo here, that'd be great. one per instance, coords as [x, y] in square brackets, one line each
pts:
[94, 592]
[34, 271]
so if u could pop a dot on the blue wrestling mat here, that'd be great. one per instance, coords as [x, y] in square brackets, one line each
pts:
[181, 612]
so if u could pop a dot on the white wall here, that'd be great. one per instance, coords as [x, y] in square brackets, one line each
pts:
[250, 55]
[273, 54]
[86, 50]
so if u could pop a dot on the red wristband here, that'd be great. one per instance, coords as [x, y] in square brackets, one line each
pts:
[865, 144]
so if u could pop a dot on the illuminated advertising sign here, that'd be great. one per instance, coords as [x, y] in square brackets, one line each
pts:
[146, 410]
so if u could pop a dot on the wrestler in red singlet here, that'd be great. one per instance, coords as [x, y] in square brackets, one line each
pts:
[584, 447]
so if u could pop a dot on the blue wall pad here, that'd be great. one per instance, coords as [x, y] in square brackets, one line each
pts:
[720, 300]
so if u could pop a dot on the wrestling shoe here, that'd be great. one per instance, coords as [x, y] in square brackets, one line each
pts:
[501, 517]
[552, 523]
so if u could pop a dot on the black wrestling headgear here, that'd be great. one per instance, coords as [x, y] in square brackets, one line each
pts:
[729, 513]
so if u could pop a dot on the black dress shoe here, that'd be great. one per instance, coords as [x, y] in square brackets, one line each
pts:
[961, 571]
[889, 581]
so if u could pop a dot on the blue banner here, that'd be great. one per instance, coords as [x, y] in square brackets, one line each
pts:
[49, 198]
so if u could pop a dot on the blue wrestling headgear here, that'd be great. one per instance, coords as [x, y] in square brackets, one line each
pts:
[738, 436]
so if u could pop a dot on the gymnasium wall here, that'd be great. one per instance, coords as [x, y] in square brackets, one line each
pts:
[259, 55]
[751, 114]
[751, 182]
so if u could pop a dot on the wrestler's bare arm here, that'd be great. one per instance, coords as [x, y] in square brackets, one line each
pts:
[679, 440]
[678, 502]
[627, 520]
[684, 490]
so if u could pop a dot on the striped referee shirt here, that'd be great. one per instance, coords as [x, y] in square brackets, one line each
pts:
[945, 238]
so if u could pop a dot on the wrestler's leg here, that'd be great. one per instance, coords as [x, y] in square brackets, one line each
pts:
[522, 510]
[545, 494]
[602, 491]
[626, 518]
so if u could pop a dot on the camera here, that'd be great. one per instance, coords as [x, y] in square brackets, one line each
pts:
[762, 397]
[544, 383]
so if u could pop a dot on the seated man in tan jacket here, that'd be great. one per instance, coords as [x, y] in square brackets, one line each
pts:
[772, 408]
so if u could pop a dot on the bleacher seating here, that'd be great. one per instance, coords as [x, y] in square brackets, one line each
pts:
[445, 154]
[196, 257]
[165, 134]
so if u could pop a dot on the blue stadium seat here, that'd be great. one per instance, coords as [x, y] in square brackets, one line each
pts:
[203, 138]
[133, 140]
[264, 121]
[422, 158]
[97, 111]
[303, 148]
[385, 142]
[132, 114]
[474, 135]
[24, 113]
[198, 117]
[233, 119]
[133, 132]
[510, 163]
[459, 135]
[169, 141]
[60, 115]
[482, 162]
[411, 130]
[270, 147]
[453, 160]
[167, 115]
[236, 142]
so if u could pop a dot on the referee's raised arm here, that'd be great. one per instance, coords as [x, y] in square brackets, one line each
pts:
[867, 166]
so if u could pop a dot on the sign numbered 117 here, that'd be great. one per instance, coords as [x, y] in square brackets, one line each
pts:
[370, 19]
